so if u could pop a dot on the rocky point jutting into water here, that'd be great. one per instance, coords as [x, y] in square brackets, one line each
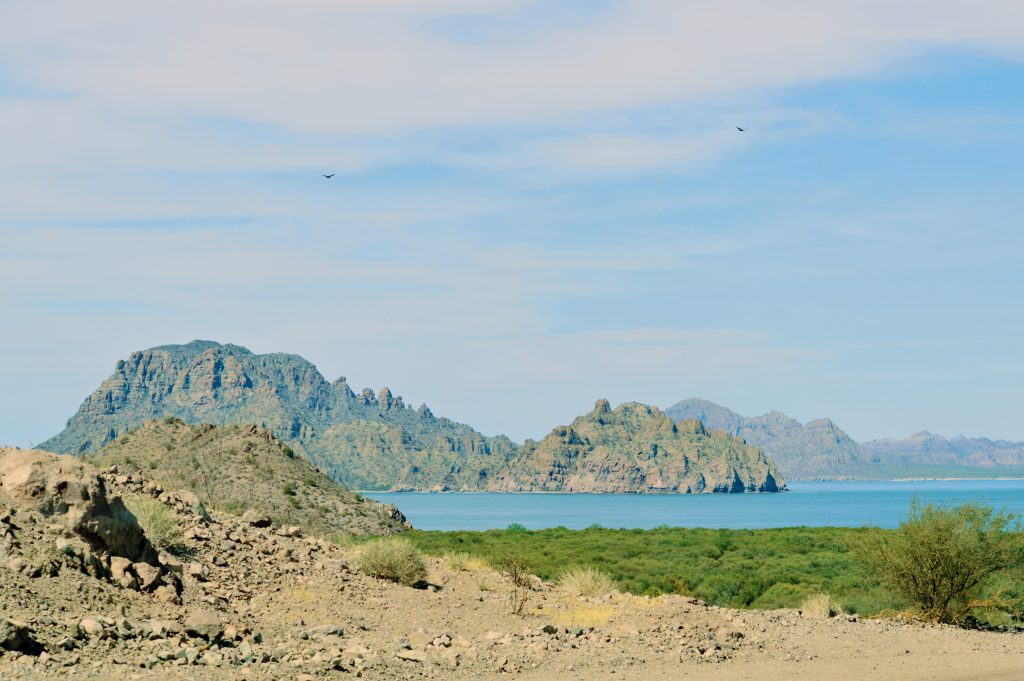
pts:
[637, 448]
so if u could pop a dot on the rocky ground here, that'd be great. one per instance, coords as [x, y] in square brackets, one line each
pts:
[240, 599]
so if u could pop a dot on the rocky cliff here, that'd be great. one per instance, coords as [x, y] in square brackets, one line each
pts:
[364, 441]
[637, 448]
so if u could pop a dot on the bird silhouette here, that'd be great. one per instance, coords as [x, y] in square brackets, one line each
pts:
[740, 129]
[329, 176]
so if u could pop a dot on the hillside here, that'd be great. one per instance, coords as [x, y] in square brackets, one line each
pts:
[364, 441]
[816, 450]
[637, 448]
[238, 468]
[85, 594]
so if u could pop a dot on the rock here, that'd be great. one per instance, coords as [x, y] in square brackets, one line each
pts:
[326, 630]
[90, 627]
[256, 518]
[198, 571]
[412, 655]
[420, 638]
[13, 634]
[73, 494]
[161, 629]
[204, 624]
[149, 575]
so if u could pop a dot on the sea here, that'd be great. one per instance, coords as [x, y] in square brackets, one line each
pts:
[812, 504]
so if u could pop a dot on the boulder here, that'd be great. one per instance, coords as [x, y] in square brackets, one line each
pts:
[73, 494]
[13, 634]
[256, 518]
[204, 624]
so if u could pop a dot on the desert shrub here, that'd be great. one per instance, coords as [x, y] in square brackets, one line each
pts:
[820, 606]
[587, 581]
[288, 488]
[394, 559]
[943, 560]
[516, 572]
[461, 561]
[156, 520]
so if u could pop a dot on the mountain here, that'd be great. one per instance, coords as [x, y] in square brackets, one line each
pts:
[926, 448]
[363, 441]
[375, 441]
[637, 448]
[820, 450]
[238, 468]
[816, 450]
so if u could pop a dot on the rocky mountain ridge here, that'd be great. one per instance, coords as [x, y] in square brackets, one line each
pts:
[364, 441]
[375, 441]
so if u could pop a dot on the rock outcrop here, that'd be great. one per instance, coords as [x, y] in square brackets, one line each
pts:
[71, 493]
[637, 448]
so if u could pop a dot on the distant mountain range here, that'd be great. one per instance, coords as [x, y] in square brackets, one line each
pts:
[821, 450]
[375, 441]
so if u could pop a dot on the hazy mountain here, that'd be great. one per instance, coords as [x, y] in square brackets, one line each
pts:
[815, 450]
[931, 449]
[821, 450]
[637, 448]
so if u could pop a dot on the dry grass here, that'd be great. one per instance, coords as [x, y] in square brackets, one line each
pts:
[157, 521]
[820, 607]
[587, 581]
[463, 562]
[394, 559]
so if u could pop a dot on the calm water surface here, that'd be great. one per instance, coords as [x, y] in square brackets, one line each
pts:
[850, 504]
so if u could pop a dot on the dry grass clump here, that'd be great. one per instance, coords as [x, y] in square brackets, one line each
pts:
[820, 607]
[587, 581]
[156, 520]
[463, 562]
[394, 559]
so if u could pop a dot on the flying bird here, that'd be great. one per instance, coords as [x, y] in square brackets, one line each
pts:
[329, 176]
[740, 129]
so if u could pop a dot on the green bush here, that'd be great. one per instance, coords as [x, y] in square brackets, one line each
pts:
[943, 561]
[156, 520]
[394, 559]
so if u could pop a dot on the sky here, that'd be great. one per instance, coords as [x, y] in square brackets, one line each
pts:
[537, 203]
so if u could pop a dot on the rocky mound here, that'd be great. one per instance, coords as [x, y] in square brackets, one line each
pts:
[637, 448]
[364, 441]
[241, 468]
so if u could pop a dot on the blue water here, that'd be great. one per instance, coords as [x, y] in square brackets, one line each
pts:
[848, 504]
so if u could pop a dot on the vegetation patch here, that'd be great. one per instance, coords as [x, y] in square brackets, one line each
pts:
[395, 559]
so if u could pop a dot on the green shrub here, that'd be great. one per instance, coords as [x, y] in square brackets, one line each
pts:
[156, 520]
[587, 581]
[288, 488]
[394, 559]
[943, 560]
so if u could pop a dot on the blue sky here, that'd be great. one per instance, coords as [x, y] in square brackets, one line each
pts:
[536, 204]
